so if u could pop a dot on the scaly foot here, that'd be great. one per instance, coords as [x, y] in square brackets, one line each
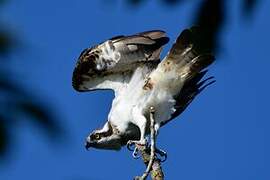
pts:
[141, 142]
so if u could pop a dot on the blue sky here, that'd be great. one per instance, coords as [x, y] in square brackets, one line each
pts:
[222, 135]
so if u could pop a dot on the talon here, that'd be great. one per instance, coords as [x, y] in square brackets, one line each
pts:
[130, 144]
[134, 150]
[135, 153]
[162, 154]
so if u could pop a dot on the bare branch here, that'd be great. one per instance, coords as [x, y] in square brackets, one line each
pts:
[148, 154]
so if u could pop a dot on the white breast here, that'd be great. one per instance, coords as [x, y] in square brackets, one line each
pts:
[128, 98]
[134, 96]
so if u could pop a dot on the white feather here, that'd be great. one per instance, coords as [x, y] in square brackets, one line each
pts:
[133, 101]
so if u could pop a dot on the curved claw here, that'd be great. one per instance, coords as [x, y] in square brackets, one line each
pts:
[130, 145]
[135, 153]
[162, 154]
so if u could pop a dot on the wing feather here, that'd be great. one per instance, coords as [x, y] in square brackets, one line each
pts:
[191, 48]
[187, 59]
[110, 64]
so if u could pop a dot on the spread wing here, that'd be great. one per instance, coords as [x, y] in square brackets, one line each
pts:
[111, 64]
[191, 50]
[190, 55]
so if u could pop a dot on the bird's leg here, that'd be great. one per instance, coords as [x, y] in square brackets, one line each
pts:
[153, 144]
[141, 123]
[141, 142]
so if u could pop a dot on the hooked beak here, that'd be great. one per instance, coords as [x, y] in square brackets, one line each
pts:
[88, 143]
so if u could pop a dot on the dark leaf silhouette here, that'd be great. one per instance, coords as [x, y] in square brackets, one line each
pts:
[7, 85]
[4, 136]
[135, 2]
[249, 6]
[2, 2]
[5, 42]
[211, 16]
[16, 102]
[140, 2]
[171, 2]
[42, 117]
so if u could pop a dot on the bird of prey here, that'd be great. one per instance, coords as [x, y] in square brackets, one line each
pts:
[131, 67]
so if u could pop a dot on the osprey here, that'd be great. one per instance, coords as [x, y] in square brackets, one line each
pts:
[131, 67]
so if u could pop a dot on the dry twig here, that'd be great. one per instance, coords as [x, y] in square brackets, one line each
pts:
[148, 155]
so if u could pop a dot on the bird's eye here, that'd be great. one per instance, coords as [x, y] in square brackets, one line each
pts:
[97, 136]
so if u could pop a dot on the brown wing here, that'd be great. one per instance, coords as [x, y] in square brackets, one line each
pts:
[190, 50]
[190, 55]
[110, 64]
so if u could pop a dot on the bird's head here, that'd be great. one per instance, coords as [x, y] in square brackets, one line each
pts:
[105, 138]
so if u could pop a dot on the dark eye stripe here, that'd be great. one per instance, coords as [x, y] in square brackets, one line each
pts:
[97, 136]
[93, 136]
